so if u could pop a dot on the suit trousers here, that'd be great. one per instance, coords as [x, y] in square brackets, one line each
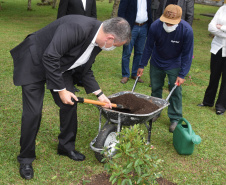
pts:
[32, 97]
[157, 82]
[217, 70]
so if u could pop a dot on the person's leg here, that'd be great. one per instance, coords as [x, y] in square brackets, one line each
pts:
[215, 74]
[127, 50]
[221, 101]
[68, 117]
[32, 96]
[175, 107]
[157, 81]
[139, 47]
[68, 122]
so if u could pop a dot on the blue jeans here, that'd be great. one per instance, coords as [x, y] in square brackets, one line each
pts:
[139, 34]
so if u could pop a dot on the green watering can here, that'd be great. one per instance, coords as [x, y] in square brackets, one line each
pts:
[184, 138]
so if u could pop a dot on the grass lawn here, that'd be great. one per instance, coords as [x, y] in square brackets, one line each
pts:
[205, 166]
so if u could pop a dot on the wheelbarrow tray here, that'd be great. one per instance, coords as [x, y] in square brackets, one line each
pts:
[127, 119]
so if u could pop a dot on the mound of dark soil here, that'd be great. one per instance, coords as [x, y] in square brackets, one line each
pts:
[134, 104]
[103, 179]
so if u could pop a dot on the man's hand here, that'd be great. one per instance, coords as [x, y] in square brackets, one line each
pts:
[67, 96]
[179, 81]
[140, 72]
[103, 98]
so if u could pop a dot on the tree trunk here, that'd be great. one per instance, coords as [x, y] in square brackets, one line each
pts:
[115, 8]
[29, 5]
[54, 4]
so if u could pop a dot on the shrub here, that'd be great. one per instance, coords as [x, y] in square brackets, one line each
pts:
[134, 162]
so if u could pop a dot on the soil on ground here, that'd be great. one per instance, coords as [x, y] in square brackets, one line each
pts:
[103, 179]
[134, 104]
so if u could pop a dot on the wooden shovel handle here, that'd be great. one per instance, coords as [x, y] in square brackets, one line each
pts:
[98, 103]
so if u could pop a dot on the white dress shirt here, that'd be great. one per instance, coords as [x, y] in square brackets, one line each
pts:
[84, 4]
[85, 56]
[142, 14]
[219, 41]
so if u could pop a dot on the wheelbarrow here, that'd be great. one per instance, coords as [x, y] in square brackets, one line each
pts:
[106, 137]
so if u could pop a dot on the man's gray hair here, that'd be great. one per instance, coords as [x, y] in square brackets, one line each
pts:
[118, 27]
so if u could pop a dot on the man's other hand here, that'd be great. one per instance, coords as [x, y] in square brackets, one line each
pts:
[67, 96]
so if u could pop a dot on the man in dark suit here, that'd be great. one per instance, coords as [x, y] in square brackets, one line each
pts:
[138, 14]
[51, 55]
[80, 7]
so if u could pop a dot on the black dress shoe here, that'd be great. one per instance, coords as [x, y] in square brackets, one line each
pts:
[26, 171]
[75, 155]
[218, 112]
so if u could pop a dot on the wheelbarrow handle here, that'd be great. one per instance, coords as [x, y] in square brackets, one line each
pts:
[135, 83]
[168, 97]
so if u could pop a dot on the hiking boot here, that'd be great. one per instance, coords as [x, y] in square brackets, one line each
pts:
[172, 126]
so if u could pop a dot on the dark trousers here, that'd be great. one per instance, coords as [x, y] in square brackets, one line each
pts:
[157, 82]
[33, 95]
[217, 70]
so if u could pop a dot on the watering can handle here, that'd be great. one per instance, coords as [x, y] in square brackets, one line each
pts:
[188, 124]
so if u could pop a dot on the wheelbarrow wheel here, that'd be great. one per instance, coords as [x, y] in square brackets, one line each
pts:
[106, 138]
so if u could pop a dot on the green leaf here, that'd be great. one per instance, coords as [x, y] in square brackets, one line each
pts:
[130, 165]
[136, 162]
[117, 155]
[128, 146]
[54, 177]
[103, 159]
[124, 182]
[126, 171]
[139, 180]
[114, 181]
[112, 177]
[119, 182]
[145, 175]
[147, 156]
[130, 182]
[139, 171]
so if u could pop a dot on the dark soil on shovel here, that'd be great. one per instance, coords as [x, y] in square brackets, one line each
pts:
[134, 104]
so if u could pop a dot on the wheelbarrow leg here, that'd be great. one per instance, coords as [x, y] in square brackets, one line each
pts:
[149, 131]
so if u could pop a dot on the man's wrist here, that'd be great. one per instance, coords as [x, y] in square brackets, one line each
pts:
[99, 94]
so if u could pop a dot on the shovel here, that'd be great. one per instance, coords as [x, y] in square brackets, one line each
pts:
[94, 102]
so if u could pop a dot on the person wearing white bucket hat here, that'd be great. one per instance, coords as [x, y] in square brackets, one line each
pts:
[170, 46]
[217, 63]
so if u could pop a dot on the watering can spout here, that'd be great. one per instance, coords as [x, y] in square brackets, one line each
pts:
[196, 139]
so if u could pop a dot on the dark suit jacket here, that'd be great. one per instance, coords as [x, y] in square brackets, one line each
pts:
[67, 7]
[187, 9]
[47, 53]
[128, 10]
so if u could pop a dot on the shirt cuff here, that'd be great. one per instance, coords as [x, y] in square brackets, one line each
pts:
[223, 28]
[57, 90]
